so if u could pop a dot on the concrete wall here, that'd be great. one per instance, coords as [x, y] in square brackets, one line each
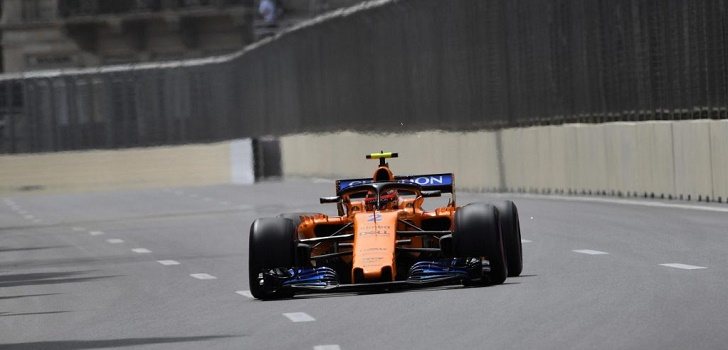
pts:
[188, 165]
[683, 159]
[342, 155]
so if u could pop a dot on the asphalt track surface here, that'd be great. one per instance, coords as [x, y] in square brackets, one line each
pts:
[83, 271]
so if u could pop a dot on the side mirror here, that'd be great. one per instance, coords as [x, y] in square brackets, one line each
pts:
[431, 194]
[335, 199]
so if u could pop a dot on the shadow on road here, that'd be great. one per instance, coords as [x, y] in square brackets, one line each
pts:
[27, 296]
[4, 314]
[43, 278]
[4, 250]
[106, 343]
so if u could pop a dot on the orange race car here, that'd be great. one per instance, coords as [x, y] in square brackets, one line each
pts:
[384, 239]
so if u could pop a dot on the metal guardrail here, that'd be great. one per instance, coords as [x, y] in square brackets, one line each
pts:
[397, 65]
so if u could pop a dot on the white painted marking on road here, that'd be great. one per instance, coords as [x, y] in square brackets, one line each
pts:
[96, 233]
[78, 229]
[141, 250]
[327, 347]
[37, 221]
[29, 217]
[589, 251]
[168, 262]
[644, 203]
[683, 266]
[115, 240]
[245, 293]
[299, 317]
[203, 276]
[225, 203]
[526, 241]
[322, 181]
[179, 193]
[207, 199]
[21, 212]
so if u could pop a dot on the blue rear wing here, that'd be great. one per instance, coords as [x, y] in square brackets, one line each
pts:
[441, 182]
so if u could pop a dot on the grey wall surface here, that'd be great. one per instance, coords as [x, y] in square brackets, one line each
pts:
[397, 65]
[661, 159]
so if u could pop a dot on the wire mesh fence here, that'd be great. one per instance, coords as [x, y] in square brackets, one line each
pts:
[398, 66]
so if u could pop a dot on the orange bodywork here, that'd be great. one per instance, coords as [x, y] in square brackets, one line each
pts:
[373, 246]
[374, 242]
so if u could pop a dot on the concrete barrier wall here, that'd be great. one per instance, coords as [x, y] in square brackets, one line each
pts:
[188, 165]
[333, 155]
[719, 158]
[682, 159]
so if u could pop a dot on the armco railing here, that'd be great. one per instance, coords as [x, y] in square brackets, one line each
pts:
[397, 66]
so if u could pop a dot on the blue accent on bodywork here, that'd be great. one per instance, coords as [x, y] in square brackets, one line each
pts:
[454, 267]
[311, 277]
[442, 182]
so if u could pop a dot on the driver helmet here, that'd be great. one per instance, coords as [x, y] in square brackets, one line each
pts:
[387, 200]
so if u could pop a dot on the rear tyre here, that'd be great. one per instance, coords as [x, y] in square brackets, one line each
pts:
[272, 244]
[511, 231]
[477, 235]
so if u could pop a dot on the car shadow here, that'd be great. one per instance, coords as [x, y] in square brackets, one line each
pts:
[433, 289]
[107, 343]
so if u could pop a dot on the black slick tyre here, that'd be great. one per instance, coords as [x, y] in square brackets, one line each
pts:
[272, 244]
[478, 234]
[511, 231]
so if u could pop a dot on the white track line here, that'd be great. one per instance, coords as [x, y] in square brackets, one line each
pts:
[299, 317]
[203, 276]
[78, 229]
[245, 293]
[37, 221]
[683, 266]
[168, 262]
[589, 251]
[29, 217]
[207, 199]
[327, 347]
[644, 203]
[526, 241]
[141, 250]
[115, 240]
[225, 203]
[96, 233]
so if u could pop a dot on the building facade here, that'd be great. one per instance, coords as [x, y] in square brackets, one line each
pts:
[55, 34]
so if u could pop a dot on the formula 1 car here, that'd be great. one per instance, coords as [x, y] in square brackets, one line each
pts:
[383, 239]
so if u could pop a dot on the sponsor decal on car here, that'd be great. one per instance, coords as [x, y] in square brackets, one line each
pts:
[434, 180]
[375, 217]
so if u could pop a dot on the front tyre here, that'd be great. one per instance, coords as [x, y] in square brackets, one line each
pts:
[478, 235]
[511, 231]
[272, 244]
[296, 216]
